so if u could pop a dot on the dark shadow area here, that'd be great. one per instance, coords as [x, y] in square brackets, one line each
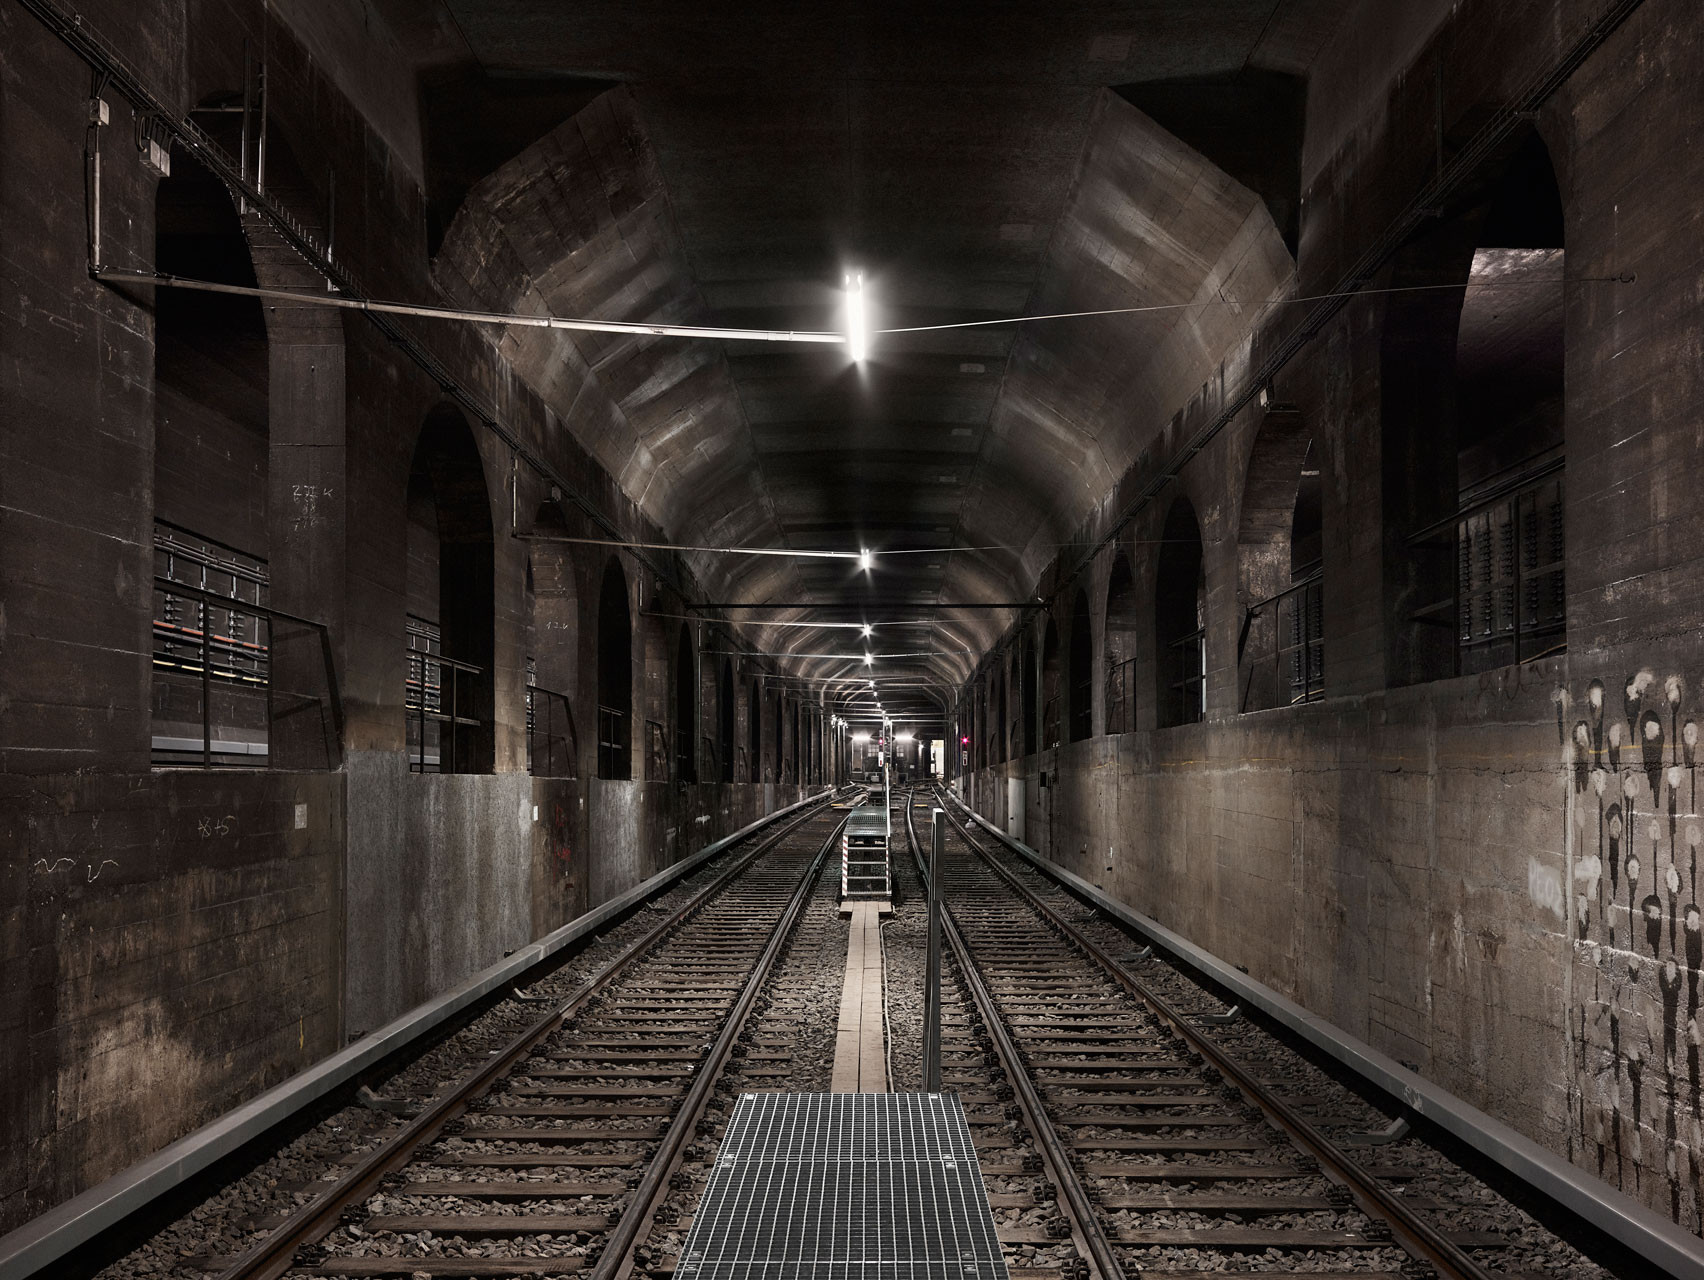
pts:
[1247, 122]
[475, 121]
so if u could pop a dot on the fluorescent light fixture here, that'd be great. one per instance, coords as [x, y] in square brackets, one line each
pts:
[866, 561]
[902, 737]
[860, 737]
[868, 631]
[857, 319]
[868, 660]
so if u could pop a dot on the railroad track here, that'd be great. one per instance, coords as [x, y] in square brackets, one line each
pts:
[1121, 1129]
[551, 1154]
[1173, 1156]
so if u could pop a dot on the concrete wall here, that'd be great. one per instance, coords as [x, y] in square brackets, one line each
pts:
[447, 873]
[175, 942]
[1491, 877]
[172, 945]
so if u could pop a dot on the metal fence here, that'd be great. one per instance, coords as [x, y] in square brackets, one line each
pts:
[1287, 630]
[1509, 603]
[218, 699]
[552, 741]
[436, 692]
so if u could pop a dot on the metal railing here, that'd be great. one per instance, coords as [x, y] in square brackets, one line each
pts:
[433, 700]
[1508, 548]
[1191, 690]
[1288, 667]
[210, 644]
[656, 751]
[553, 743]
[1121, 696]
[1050, 723]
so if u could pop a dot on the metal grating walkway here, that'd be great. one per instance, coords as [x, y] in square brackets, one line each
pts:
[861, 1186]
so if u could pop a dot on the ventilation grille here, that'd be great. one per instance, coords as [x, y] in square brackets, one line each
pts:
[819, 1186]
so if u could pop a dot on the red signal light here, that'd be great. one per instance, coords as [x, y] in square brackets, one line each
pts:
[964, 741]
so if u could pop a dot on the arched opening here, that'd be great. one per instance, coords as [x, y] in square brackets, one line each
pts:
[780, 739]
[1280, 578]
[1026, 690]
[685, 707]
[1122, 615]
[1474, 406]
[754, 732]
[211, 664]
[1050, 686]
[1001, 720]
[553, 651]
[615, 675]
[1180, 619]
[979, 718]
[1082, 668]
[725, 719]
[450, 630]
[798, 746]
[659, 655]
[813, 749]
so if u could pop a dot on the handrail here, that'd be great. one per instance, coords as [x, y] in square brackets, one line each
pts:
[443, 660]
[1493, 497]
[247, 606]
[1301, 584]
[334, 695]
[1311, 680]
[570, 737]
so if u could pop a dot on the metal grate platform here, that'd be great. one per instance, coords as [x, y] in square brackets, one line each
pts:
[865, 1186]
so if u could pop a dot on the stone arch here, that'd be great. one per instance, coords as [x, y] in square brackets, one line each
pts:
[615, 675]
[1280, 583]
[1082, 668]
[685, 706]
[1473, 430]
[451, 626]
[1180, 619]
[1123, 620]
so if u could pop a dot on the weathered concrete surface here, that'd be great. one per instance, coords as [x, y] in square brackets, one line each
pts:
[439, 881]
[171, 945]
[1491, 877]
[183, 943]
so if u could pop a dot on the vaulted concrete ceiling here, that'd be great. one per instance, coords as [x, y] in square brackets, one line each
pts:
[974, 162]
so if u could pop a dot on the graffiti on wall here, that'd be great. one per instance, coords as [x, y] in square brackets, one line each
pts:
[1630, 753]
[559, 839]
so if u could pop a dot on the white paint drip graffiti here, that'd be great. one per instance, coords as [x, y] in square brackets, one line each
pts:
[1636, 984]
[1544, 887]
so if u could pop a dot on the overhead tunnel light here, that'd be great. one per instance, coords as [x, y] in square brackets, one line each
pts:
[857, 319]
[866, 561]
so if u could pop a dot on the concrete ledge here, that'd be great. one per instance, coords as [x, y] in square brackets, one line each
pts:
[1651, 1236]
[43, 1240]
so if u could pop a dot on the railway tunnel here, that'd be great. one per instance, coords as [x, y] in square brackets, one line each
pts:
[487, 487]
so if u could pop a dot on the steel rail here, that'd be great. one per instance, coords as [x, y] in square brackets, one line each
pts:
[1091, 1237]
[615, 1262]
[276, 1254]
[1416, 1236]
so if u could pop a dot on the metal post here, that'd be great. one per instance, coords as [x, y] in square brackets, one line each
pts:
[206, 685]
[448, 672]
[422, 705]
[271, 733]
[932, 978]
